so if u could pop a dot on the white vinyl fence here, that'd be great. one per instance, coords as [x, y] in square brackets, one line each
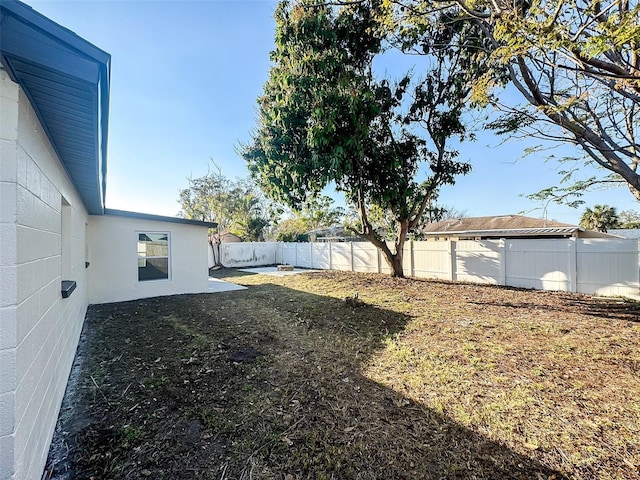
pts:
[591, 266]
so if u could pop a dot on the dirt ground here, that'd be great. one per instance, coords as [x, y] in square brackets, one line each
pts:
[294, 379]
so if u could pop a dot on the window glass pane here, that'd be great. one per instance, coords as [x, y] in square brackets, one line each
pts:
[153, 269]
[153, 245]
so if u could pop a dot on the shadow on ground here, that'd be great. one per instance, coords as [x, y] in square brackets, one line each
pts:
[258, 384]
[601, 307]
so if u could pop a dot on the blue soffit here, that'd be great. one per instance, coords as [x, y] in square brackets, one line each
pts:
[66, 79]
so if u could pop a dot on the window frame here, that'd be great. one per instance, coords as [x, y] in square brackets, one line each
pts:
[150, 257]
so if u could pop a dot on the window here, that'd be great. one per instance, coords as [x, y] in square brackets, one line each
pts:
[153, 256]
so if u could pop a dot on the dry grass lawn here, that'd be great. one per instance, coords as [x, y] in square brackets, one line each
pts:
[423, 380]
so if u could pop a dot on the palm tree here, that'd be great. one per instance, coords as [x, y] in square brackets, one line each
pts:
[601, 218]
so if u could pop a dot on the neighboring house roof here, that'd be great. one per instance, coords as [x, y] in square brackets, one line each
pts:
[229, 237]
[332, 231]
[506, 226]
[66, 80]
[159, 218]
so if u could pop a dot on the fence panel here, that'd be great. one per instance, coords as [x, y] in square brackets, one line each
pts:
[543, 264]
[608, 267]
[249, 254]
[365, 257]
[341, 256]
[303, 255]
[432, 260]
[321, 255]
[289, 253]
[478, 261]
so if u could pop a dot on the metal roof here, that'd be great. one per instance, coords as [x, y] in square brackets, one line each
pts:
[487, 224]
[509, 232]
[66, 79]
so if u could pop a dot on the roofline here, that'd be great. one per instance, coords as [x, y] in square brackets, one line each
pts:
[23, 28]
[523, 231]
[62, 33]
[158, 218]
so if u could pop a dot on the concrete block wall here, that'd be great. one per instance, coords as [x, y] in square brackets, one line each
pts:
[39, 330]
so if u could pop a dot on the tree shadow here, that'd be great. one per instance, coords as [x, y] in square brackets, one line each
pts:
[263, 384]
[601, 307]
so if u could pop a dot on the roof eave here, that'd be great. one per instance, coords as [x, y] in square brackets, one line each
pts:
[158, 218]
[40, 56]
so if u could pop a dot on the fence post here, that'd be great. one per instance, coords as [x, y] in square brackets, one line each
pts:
[503, 262]
[451, 250]
[573, 265]
[411, 259]
[330, 256]
[351, 249]
[311, 254]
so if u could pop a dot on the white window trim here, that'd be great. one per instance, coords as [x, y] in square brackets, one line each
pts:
[168, 256]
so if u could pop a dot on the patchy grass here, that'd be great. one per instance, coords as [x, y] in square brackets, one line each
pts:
[287, 381]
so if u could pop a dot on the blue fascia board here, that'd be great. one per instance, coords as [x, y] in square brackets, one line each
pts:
[30, 43]
[158, 218]
[56, 31]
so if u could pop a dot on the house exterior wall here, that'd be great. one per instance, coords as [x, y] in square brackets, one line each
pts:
[113, 255]
[39, 330]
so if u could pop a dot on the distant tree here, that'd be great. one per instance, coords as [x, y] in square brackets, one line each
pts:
[316, 212]
[600, 219]
[248, 207]
[319, 212]
[292, 229]
[629, 219]
[237, 207]
[325, 119]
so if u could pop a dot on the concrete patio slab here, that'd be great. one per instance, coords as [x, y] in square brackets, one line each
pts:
[274, 271]
[216, 285]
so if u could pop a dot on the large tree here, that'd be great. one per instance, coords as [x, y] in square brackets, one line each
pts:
[576, 64]
[326, 119]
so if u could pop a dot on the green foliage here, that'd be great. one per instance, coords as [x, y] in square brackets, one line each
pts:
[325, 118]
[237, 206]
[316, 212]
[629, 219]
[600, 219]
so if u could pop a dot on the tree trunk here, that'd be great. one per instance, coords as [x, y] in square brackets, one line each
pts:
[394, 260]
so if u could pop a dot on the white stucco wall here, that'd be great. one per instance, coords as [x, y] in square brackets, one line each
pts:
[39, 330]
[113, 273]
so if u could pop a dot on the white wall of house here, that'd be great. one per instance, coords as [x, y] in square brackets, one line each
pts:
[113, 257]
[39, 330]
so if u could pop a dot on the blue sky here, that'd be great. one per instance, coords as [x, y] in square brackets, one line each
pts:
[185, 76]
